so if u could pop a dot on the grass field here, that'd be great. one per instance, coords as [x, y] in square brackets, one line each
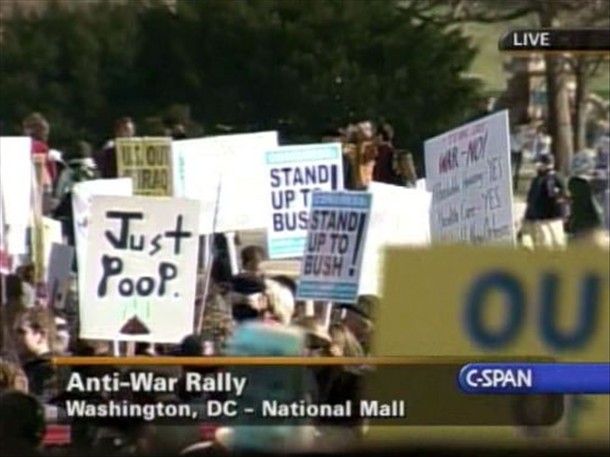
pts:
[488, 64]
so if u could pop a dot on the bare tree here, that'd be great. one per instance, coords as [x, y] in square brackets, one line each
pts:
[549, 14]
[585, 66]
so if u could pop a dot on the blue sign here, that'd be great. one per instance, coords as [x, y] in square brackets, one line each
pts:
[330, 268]
[294, 173]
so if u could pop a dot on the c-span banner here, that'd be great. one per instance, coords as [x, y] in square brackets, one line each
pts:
[81, 207]
[226, 174]
[331, 264]
[141, 269]
[293, 173]
[468, 171]
[473, 302]
[148, 161]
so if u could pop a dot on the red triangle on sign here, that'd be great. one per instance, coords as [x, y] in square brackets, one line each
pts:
[134, 326]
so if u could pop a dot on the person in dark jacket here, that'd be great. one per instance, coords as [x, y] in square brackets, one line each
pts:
[35, 329]
[384, 167]
[342, 384]
[106, 159]
[545, 212]
[586, 213]
[221, 261]
[22, 424]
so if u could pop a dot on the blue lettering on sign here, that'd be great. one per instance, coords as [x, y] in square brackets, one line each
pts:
[292, 188]
[588, 307]
[581, 333]
[477, 299]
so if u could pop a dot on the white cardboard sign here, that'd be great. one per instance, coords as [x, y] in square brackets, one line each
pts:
[468, 171]
[399, 217]
[141, 269]
[331, 264]
[226, 174]
[293, 174]
[82, 193]
[16, 173]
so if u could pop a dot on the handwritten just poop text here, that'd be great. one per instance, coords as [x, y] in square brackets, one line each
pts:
[125, 240]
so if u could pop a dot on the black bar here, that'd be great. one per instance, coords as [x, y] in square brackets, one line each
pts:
[566, 40]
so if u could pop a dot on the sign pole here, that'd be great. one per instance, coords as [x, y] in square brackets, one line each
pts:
[310, 309]
[328, 312]
[230, 237]
[208, 270]
[38, 230]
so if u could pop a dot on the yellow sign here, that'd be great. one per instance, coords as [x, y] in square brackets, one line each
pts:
[466, 301]
[38, 192]
[148, 161]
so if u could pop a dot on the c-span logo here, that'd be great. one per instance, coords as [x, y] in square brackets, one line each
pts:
[535, 378]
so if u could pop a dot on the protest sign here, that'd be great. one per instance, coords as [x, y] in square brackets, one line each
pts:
[293, 173]
[337, 233]
[226, 174]
[420, 184]
[51, 234]
[472, 302]
[40, 185]
[468, 171]
[399, 217]
[16, 175]
[59, 274]
[141, 269]
[82, 193]
[148, 161]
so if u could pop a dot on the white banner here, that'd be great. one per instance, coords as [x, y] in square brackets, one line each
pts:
[399, 217]
[332, 259]
[82, 193]
[293, 173]
[468, 171]
[16, 175]
[232, 164]
[141, 269]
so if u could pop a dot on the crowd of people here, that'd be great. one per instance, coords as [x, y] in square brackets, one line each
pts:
[31, 333]
[571, 209]
[31, 387]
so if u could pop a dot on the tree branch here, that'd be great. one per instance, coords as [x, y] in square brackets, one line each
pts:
[480, 16]
[573, 63]
[424, 11]
[594, 65]
[571, 5]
